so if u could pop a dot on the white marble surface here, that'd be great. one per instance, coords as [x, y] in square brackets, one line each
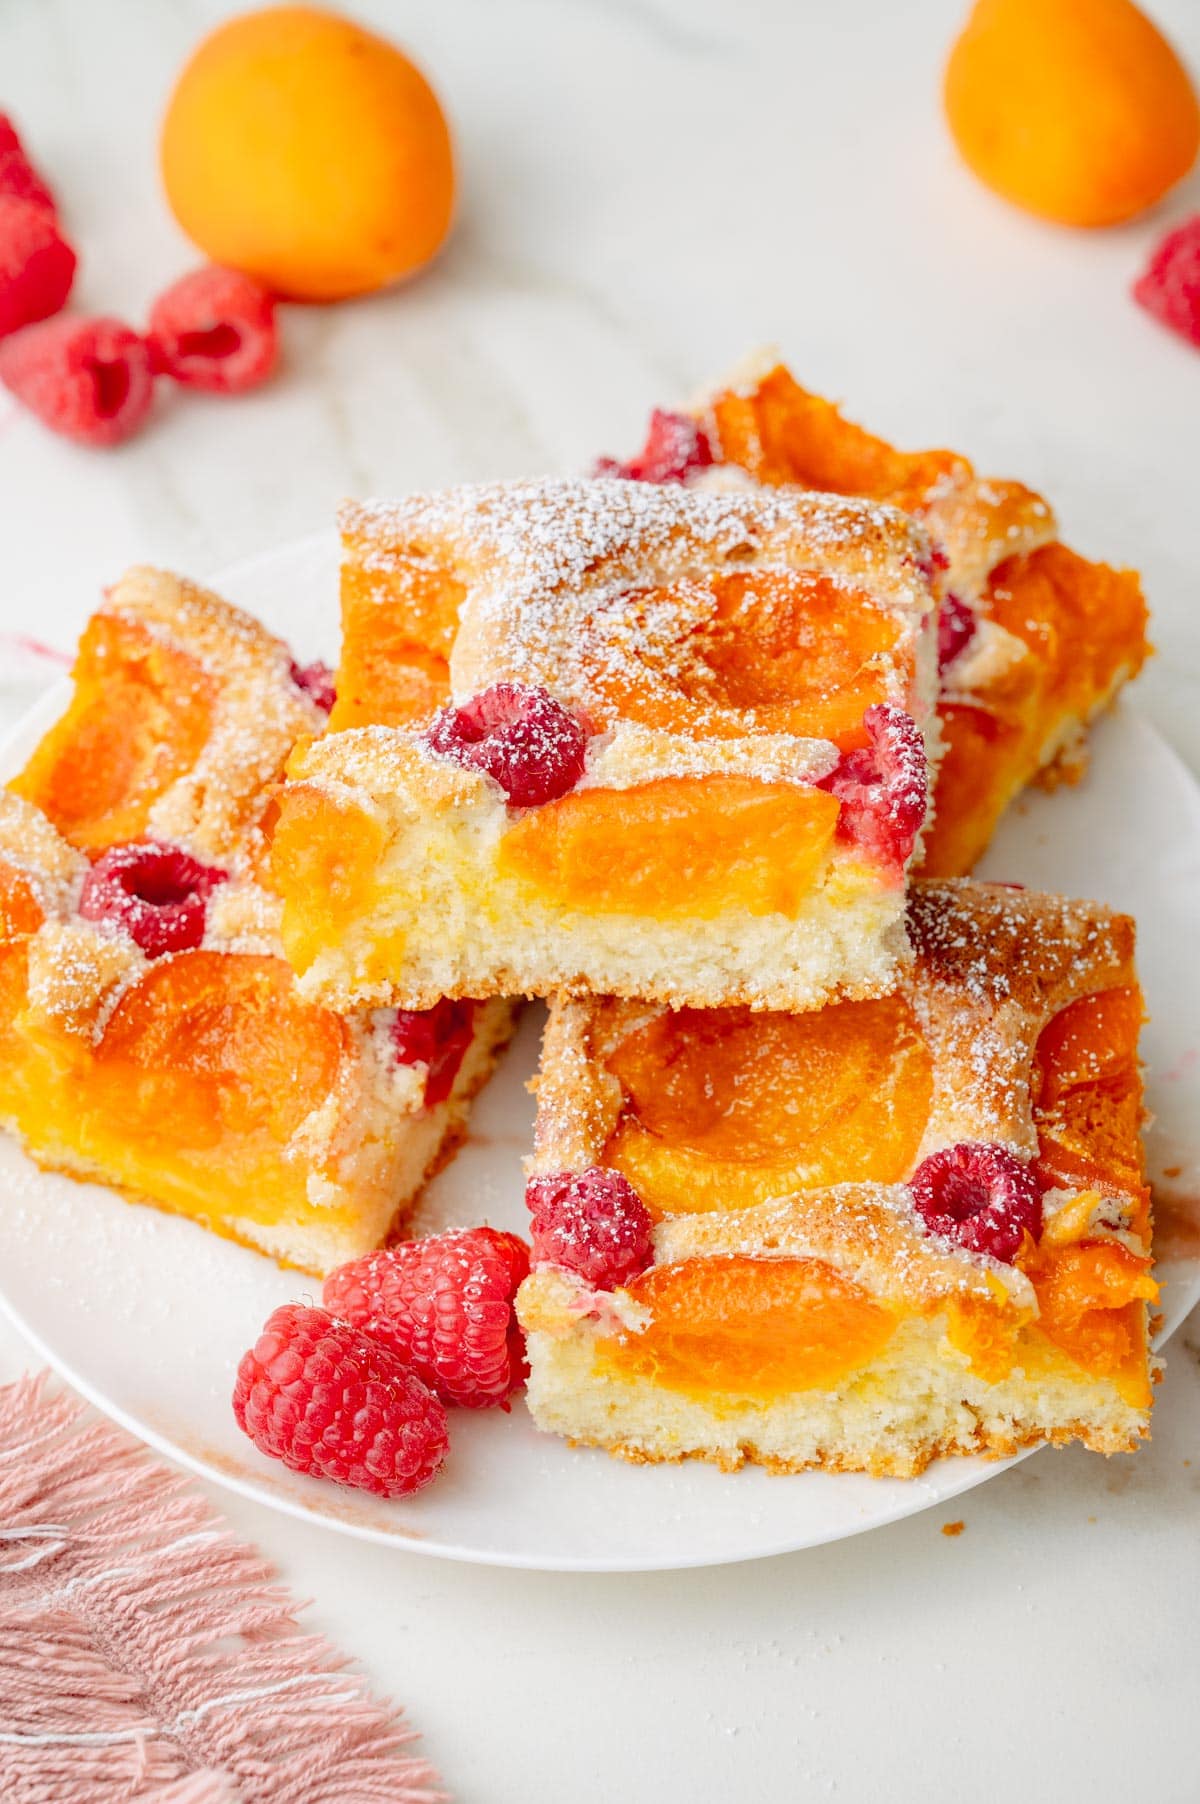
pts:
[652, 186]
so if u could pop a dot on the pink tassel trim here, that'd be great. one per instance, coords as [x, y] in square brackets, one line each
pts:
[146, 1655]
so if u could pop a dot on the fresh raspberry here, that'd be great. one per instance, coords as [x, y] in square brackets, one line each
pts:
[593, 1222]
[156, 892]
[37, 265]
[214, 329]
[675, 446]
[1170, 287]
[316, 680]
[444, 1306]
[519, 736]
[956, 628]
[89, 379]
[9, 140]
[19, 178]
[329, 1401]
[979, 1195]
[437, 1037]
[883, 787]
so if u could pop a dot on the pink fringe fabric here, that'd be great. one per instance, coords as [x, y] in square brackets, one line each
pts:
[146, 1655]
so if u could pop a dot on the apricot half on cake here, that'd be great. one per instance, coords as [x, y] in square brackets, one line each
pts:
[724, 1108]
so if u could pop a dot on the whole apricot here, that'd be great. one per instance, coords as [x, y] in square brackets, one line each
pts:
[309, 153]
[1077, 110]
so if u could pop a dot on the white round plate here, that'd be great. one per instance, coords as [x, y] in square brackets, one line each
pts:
[147, 1315]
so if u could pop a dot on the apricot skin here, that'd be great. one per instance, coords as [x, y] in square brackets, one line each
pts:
[1078, 111]
[309, 153]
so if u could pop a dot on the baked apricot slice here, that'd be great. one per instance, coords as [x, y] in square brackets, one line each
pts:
[20, 915]
[1086, 623]
[775, 652]
[725, 1108]
[677, 848]
[323, 859]
[781, 433]
[398, 625]
[140, 716]
[1087, 1092]
[1091, 1299]
[984, 762]
[215, 1044]
[749, 1328]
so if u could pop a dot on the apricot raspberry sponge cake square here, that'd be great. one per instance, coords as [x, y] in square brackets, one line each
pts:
[857, 1238]
[1034, 640]
[151, 1035]
[685, 756]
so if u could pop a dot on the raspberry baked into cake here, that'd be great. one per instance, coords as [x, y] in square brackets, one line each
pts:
[151, 1033]
[684, 756]
[1034, 640]
[861, 1237]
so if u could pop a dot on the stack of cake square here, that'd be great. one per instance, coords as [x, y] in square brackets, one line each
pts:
[837, 1158]
[151, 1033]
[660, 747]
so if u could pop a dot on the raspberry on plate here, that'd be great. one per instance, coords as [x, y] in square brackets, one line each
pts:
[883, 786]
[519, 736]
[89, 379]
[1170, 287]
[214, 329]
[591, 1222]
[980, 1195]
[157, 893]
[333, 1403]
[444, 1306]
[37, 265]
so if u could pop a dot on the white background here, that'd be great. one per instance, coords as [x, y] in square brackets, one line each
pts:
[651, 187]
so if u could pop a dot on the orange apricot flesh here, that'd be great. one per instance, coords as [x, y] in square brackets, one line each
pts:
[1087, 1095]
[749, 1328]
[779, 652]
[1091, 1301]
[140, 716]
[398, 624]
[208, 1066]
[781, 433]
[676, 848]
[20, 915]
[725, 1108]
[323, 859]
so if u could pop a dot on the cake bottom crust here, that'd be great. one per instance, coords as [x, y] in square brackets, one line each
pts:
[876, 1465]
[919, 1401]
